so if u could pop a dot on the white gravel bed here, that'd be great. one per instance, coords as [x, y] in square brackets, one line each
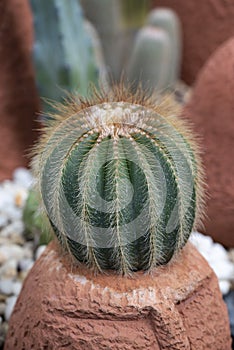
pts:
[17, 256]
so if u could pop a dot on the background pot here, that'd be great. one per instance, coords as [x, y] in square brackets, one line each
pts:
[206, 25]
[211, 111]
[18, 96]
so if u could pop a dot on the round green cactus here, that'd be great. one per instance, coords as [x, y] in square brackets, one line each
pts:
[121, 181]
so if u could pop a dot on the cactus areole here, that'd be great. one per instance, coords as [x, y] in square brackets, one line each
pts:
[120, 181]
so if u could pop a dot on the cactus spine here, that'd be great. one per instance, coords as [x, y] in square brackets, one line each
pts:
[63, 54]
[120, 181]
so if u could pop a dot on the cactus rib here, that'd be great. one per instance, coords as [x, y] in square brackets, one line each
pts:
[121, 183]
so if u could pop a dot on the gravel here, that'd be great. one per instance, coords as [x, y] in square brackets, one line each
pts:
[17, 255]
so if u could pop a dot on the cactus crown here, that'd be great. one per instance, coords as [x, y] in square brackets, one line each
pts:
[120, 180]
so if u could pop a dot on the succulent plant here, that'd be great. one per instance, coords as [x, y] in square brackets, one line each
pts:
[166, 19]
[120, 179]
[134, 12]
[105, 15]
[37, 226]
[63, 54]
[150, 59]
[156, 56]
[116, 22]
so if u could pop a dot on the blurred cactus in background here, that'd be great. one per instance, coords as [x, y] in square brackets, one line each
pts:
[98, 52]
[105, 15]
[155, 59]
[134, 12]
[149, 61]
[167, 20]
[68, 52]
[67, 57]
[116, 22]
[64, 53]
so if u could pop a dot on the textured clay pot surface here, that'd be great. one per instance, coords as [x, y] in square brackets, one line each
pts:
[18, 96]
[177, 307]
[206, 25]
[211, 109]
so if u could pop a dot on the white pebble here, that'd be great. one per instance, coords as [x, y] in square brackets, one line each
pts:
[16, 227]
[217, 257]
[224, 286]
[9, 269]
[40, 250]
[23, 177]
[10, 303]
[201, 241]
[28, 250]
[3, 220]
[25, 264]
[12, 212]
[6, 196]
[9, 287]
[219, 253]
[11, 251]
[17, 287]
[6, 286]
[223, 269]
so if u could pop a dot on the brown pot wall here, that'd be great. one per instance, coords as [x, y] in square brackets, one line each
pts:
[206, 24]
[176, 307]
[211, 109]
[18, 97]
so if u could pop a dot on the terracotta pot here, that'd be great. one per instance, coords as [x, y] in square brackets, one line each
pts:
[206, 25]
[211, 110]
[18, 96]
[178, 306]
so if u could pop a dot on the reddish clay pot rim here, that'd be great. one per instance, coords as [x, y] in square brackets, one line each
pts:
[192, 272]
[178, 306]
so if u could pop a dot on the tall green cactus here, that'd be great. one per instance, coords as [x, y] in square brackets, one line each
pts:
[167, 19]
[120, 180]
[156, 56]
[149, 61]
[116, 22]
[63, 54]
[134, 12]
[106, 17]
